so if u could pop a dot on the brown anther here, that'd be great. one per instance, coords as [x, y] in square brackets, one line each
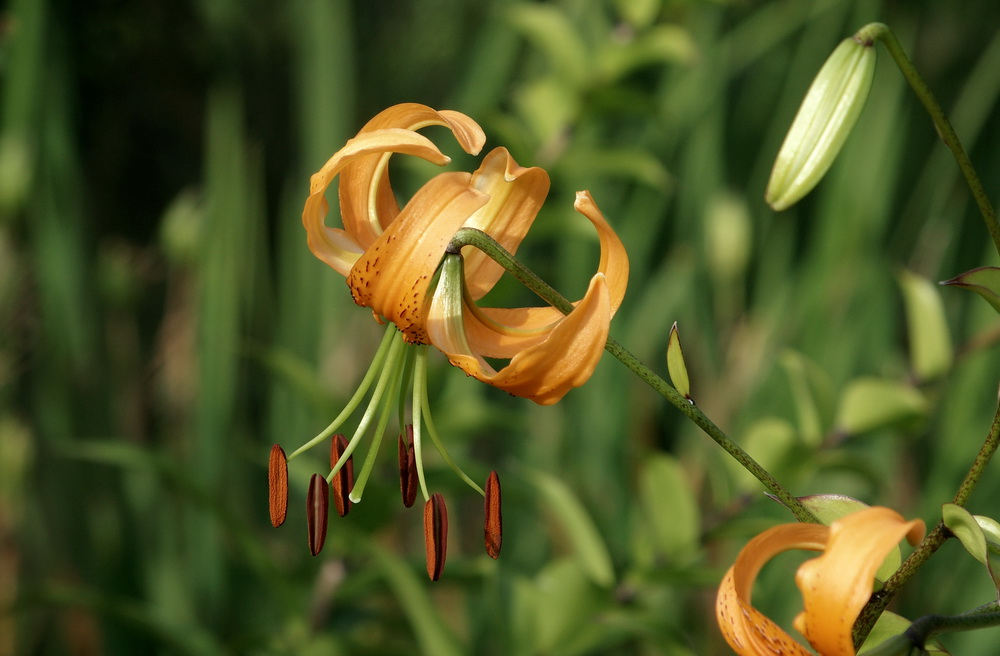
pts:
[435, 535]
[277, 485]
[317, 510]
[343, 480]
[493, 522]
[407, 468]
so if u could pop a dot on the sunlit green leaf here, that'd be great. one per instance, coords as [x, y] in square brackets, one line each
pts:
[927, 327]
[964, 527]
[661, 45]
[433, 633]
[675, 364]
[578, 528]
[872, 403]
[549, 30]
[991, 531]
[806, 407]
[670, 510]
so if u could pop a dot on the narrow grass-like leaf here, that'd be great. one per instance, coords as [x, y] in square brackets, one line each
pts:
[927, 327]
[581, 533]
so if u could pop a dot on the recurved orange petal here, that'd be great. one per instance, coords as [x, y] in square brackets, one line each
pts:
[564, 359]
[367, 204]
[341, 248]
[392, 276]
[836, 585]
[515, 195]
[504, 332]
[748, 631]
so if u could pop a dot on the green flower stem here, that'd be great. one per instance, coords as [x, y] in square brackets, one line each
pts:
[485, 243]
[880, 32]
[926, 627]
[880, 600]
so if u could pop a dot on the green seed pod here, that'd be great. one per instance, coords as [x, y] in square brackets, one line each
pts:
[827, 114]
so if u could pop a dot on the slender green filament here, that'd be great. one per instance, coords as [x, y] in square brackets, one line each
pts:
[420, 379]
[359, 394]
[391, 360]
[394, 371]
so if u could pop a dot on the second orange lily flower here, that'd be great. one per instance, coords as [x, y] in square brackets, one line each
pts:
[391, 256]
[835, 586]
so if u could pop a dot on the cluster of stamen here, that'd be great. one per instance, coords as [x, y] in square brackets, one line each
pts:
[395, 366]
[339, 488]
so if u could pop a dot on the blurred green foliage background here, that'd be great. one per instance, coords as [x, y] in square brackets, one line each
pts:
[162, 322]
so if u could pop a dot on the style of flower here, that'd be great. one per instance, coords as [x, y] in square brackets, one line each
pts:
[835, 586]
[397, 262]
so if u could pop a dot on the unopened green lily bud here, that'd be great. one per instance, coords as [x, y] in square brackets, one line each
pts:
[828, 112]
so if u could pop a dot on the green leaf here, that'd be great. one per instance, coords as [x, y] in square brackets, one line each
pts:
[564, 600]
[872, 403]
[639, 13]
[806, 408]
[675, 364]
[432, 632]
[661, 45]
[930, 340]
[985, 281]
[550, 30]
[830, 507]
[670, 511]
[631, 164]
[965, 527]
[991, 531]
[579, 528]
[771, 440]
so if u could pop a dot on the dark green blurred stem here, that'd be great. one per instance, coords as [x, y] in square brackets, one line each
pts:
[927, 627]
[880, 32]
[482, 241]
[880, 600]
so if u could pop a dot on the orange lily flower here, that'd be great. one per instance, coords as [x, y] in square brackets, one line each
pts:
[391, 256]
[835, 586]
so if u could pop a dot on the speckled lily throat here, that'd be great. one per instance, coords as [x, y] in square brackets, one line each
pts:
[394, 261]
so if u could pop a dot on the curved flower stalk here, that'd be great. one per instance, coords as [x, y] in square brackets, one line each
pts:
[835, 586]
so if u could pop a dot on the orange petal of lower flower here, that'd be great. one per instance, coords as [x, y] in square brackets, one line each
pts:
[565, 359]
[393, 274]
[748, 631]
[836, 585]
